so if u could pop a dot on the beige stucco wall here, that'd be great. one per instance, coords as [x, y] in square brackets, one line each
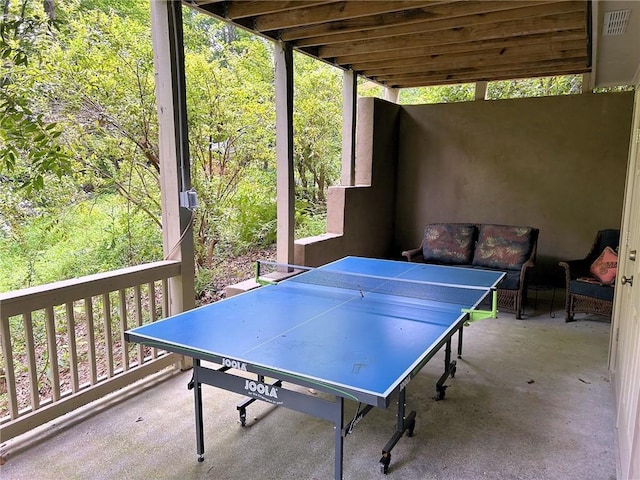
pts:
[555, 163]
[361, 218]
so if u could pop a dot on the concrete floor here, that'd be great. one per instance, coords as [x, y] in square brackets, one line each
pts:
[531, 400]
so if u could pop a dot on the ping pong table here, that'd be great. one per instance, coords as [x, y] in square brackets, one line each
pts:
[357, 329]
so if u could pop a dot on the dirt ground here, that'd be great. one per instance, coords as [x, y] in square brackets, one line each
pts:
[234, 270]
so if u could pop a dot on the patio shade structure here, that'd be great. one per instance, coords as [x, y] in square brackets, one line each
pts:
[397, 44]
[402, 44]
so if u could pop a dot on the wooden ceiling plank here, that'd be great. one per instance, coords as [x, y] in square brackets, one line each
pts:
[529, 26]
[485, 73]
[458, 79]
[488, 74]
[479, 74]
[511, 11]
[433, 82]
[480, 61]
[215, 8]
[470, 47]
[503, 53]
[244, 9]
[481, 55]
[203, 2]
[331, 10]
[417, 14]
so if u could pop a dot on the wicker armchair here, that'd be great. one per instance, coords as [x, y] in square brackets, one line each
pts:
[584, 293]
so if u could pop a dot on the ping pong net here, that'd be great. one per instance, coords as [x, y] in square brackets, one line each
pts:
[462, 295]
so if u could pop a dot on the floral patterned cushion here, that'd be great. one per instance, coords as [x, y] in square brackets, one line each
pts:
[503, 246]
[449, 243]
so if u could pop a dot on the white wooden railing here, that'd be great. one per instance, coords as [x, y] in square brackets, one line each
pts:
[63, 343]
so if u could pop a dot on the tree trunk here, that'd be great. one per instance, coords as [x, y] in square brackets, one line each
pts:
[49, 8]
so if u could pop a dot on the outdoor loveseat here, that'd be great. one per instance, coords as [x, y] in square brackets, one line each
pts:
[507, 248]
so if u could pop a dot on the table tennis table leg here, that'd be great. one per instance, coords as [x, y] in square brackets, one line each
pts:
[339, 438]
[460, 341]
[403, 424]
[449, 371]
[197, 396]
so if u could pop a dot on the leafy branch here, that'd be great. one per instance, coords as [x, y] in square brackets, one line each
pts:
[29, 145]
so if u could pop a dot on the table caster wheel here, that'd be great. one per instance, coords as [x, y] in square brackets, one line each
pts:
[384, 462]
[200, 458]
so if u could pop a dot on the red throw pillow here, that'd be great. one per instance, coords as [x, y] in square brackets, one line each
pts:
[605, 266]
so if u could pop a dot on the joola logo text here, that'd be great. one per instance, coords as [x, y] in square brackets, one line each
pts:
[234, 364]
[261, 389]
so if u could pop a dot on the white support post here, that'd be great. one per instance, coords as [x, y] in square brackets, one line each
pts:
[392, 94]
[168, 55]
[349, 115]
[481, 91]
[587, 87]
[285, 195]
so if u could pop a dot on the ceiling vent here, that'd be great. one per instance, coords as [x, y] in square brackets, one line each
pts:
[615, 22]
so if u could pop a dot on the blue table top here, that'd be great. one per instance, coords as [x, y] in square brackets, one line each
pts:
[358, 344]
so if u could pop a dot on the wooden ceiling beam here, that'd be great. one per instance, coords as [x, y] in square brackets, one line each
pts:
[243, 13]
[478, 15]
[331, 10]
[454, 80]
[417, 14]
[468, 47]
[209, 7]
[482, 75]
[485, 74]
[529, 26]
[246, 9]
[500, 55]
[480, 62]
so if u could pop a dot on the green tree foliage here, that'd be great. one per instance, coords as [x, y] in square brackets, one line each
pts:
[94, 82]
[30, 147]
[95, 235]
[102, 83]
[317, 128]
[231, 129]
[535, 87]
[439, 94]
[422, 95]
[522, 88]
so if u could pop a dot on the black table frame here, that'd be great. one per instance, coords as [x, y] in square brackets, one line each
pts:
[331, 410]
